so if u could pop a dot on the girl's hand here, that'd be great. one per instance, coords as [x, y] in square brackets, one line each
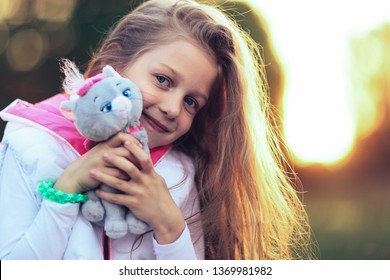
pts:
[77, 178]
[145, 194]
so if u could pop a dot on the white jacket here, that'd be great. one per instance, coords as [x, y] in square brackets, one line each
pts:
[32, 228]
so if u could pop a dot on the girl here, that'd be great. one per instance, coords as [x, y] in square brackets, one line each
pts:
[217, 192]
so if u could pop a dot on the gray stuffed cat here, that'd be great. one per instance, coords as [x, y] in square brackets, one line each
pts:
[100, 107]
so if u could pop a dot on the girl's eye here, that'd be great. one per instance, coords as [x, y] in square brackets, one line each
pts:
[190, 102]
[127, 93]
[163, 81]
[106, 107]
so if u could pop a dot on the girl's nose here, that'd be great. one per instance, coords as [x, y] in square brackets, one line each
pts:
[171, 106]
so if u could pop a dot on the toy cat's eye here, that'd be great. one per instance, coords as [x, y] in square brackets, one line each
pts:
[106, 107]
[127, 93]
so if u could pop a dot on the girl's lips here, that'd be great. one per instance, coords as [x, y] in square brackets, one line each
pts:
[155, 124]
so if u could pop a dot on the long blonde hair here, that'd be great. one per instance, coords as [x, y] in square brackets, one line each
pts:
[249, 207]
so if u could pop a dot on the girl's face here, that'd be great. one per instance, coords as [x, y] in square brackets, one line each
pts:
[175, 80]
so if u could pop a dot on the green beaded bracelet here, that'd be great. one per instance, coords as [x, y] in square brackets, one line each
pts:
[46, 190]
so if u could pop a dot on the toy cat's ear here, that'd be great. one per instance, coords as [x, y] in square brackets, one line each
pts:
[67, 109]
[110, 72]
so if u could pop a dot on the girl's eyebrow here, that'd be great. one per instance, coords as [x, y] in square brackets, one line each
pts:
[169, 68]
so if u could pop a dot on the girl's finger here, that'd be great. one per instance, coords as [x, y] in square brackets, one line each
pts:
[114, 182]
[116, 198]
[115, 172]
[144, 162]
[123, 164]
[120, 138]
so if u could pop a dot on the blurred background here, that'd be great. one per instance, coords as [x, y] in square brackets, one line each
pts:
[328, 66]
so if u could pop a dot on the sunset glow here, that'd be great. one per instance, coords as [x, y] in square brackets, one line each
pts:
[312, 38]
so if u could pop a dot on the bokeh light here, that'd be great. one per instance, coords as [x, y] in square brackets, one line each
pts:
[4, 37]
[54, 10]
[26, 49]
[30, 30]
[13, 11]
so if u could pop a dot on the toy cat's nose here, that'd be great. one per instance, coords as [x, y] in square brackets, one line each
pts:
[121, 100]
[121, 103]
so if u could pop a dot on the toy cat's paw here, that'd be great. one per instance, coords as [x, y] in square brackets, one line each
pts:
[116, 228]
[135, 225]
[93, 211]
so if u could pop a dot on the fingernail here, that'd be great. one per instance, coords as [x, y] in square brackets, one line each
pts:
[128, 143]
[139, 144]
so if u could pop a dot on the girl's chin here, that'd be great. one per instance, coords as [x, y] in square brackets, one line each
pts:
[152, 143]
